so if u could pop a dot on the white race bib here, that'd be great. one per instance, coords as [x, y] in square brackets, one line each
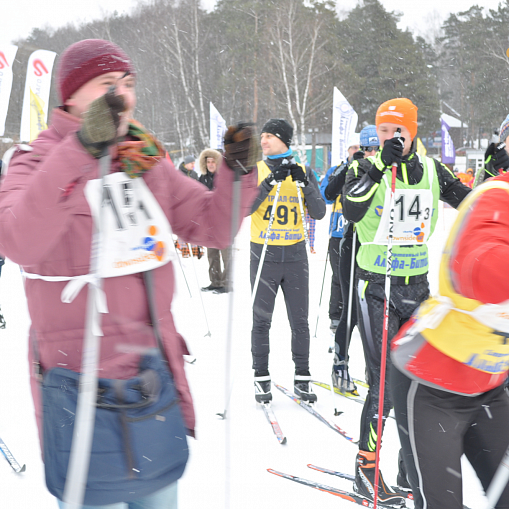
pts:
[413, 209]
[135, 233]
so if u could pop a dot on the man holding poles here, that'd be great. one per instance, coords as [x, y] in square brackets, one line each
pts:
[416, 188]
[341, 379]
[278, 254]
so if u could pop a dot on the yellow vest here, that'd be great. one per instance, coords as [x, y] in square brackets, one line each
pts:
[287, 228]
[464, 329]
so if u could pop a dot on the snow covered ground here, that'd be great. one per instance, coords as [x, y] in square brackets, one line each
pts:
[210, 481]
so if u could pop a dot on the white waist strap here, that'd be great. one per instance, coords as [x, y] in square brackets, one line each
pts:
[74, 287]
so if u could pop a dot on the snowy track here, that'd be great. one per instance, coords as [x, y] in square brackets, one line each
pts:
[252, 443]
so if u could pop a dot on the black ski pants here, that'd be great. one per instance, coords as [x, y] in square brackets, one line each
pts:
[405, 298]
[335, 301]
[293, 278]
[344, 276]
[437, 427]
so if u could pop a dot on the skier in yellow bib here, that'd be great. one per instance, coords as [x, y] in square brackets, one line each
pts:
[284, 262]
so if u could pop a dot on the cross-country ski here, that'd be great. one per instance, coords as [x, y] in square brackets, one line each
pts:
[312, 411]
[346, 495]
[271, 418]
[10, 458]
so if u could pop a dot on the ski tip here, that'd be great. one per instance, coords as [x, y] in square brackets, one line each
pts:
[23, 468]
[283, 442]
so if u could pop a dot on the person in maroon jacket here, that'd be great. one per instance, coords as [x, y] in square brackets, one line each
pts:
[46, 223]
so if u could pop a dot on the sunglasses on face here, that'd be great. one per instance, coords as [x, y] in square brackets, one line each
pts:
[369, 149]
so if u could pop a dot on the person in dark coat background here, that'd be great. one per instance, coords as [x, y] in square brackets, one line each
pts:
[208, 163]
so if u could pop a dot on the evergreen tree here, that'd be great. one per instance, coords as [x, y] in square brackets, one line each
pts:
[387, 63]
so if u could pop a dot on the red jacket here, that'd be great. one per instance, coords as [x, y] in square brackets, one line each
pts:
[477, 262]
[46, 227]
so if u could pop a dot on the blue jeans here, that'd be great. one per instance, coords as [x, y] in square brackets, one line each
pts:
[162, 499]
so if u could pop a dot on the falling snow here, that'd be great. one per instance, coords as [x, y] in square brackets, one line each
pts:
[254, 448]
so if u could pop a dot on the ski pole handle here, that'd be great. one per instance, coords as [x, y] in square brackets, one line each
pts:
[397, 134]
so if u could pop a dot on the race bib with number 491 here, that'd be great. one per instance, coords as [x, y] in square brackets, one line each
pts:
[135, 233]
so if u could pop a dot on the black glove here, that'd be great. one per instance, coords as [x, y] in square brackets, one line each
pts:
[241, 147]
[497, 155]
[100, 123]
[298, 174]
[340, 168]
[391, 153]
[278, 175]
[358, 155]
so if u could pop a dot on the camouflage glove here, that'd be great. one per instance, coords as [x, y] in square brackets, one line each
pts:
[100, 123]
[241, 147]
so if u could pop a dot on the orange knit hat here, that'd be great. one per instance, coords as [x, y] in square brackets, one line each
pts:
[398, 111]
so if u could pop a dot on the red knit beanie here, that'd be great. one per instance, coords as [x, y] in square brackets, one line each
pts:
[87, 59]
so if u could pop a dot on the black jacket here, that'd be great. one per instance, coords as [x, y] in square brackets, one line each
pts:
[188, 173]
[362, 175]
[208, 179]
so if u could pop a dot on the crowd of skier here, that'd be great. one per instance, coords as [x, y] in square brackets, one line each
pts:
[75, 203]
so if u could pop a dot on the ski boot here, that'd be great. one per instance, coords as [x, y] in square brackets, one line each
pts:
[341, 378]
[262, 385]
[364, 483]
[302, 387]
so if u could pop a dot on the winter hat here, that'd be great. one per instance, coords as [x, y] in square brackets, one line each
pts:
[369, 137]
[281, 128]
[399, 111]
[504, 129]
[354, 139]
[87, 59]
[189, 159]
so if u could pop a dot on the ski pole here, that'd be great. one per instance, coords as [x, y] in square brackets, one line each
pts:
[264, 249]
[228, 387]
[321, 292]
[499, 482]
[302, 214]
[350, 303]
[182, 269]
[324, 270]
[199, 293]
[385, 326]
[81, 446]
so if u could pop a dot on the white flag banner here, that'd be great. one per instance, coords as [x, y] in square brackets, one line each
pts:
[217, 129]
[7, 54]
[344, 122]
[40, 65]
